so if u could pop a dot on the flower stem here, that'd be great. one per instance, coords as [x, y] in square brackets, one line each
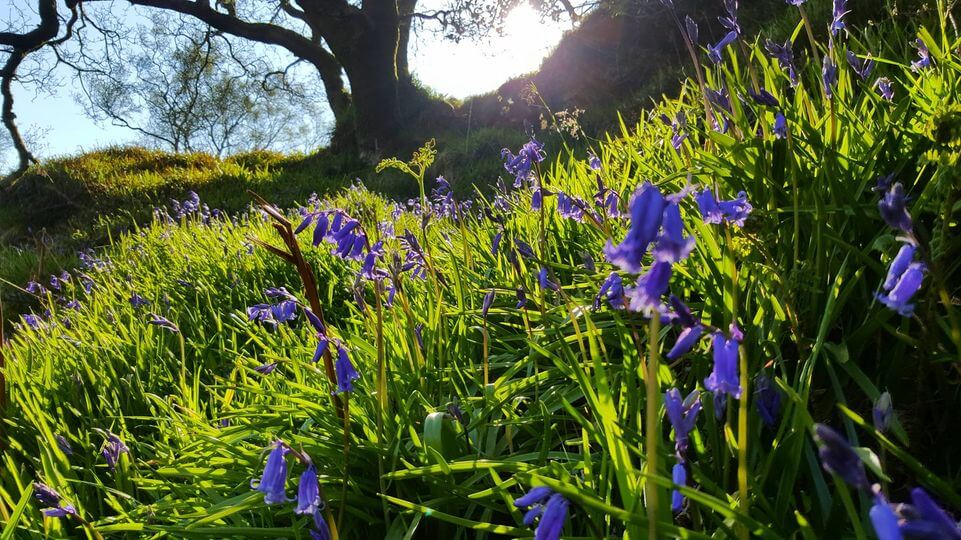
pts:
[744, 503]
[653, 422]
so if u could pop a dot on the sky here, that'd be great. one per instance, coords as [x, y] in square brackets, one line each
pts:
[58, 126]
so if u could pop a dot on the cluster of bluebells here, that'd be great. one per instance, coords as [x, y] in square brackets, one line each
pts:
[273, 484]
[284, 308]
[56, 292]
[53, 503]
[677, 125]
[922, 518]
[545, 508]
[682, 414]
[521, 166]
[190, 207]
[905, 273]
[729, 21]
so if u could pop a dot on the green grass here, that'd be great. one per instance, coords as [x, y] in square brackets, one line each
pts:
[568, 396]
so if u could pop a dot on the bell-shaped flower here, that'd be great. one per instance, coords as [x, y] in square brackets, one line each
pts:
[647, 210]
[767, 399]
[723, 380]
[274, 478]
[611, 290]
[899, 297]
[837, 457]
[646, 296]
[308, 491]
[925, 519]
[882, 412]
[893, 208]
[679, 477]
[672, 246]
[884, 520]
[346, 374]
[682, 414]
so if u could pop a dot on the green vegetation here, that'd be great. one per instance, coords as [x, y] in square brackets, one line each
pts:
[551, 393]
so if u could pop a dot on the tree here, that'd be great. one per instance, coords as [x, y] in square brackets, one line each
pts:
[189, 88]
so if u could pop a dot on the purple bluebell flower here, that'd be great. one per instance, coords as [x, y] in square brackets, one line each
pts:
[488, 302]
[57, 282]
[691, 332]
[714, 51]
[679, 477]
[780, 126]
[796, 2]
[521, 298]
[729, 20]
[308, 491]
[784, 54]
[32, 321]
[607, 199]
[837, 457]
[839, 11]
[63, 444]
[323, 342]
[162, 322]
[138, 301]
[682, 414]
[882, 412]
[924, 56]
[496, 243]
[829, 76]
[537, 199]
[899, 297]
[522, 164]
[524, 248]
[723, 380]
[763, 97]
[346, 374]
[266, 369]
[647, 210]
[767, 399]
[714, 211]
[279, 292]
[594, 162]
[926, 520]
[611, 290]
[369, 269]
[885, 88]
[570, 207]
[544, 282]
[550, 507]
[893, 208]
[62, 511]
[719, 98]
[691, 27]
[645, 297]
[112, 449]
[884, 520]
[73, 304]
[274, 478]
[414, 260]
[672, 246]
[321, 530]
[33, 287]
[419, 335]
[862, 67]
[46, 495]
[899, 264]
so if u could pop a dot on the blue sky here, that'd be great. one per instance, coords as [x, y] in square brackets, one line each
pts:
[60, 127]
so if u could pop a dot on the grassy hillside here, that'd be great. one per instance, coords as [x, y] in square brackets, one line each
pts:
[151, 385]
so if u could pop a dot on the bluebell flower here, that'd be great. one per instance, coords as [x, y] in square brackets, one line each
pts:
[550, 507]
[496, 243]
[73, 304]
[63, 444]
[926, 520]
[57, 282]
[647, 210]
[691, 332]
[544, 281]
[607, 199]
[524, 248]
[46, 495]
[899, 264]
[829, 76]
[594, 162]
[714, 211]
[893, 208]
[321, 530]
[266, 369]
[521, 298]
[346, 374]
[723, 380]
[796, 2]
[522, 164]
[570, 207]
[645, 297]
[488, 302]
[537, 199]
[672, 246]
[884, 520]
[682, 414]
[679, 477]
[899, 297]
[419, 335]
[885, 88]
[274, 478]
[767, 399]
[784, 54]
[691, 27]
[414, 260]
[279, 292]
[719, 98]
[61, 511]
[924, 56]
[33, 321]
[729, 21]
[862, 67]
[763, 97]
[611, 290]
[839, 11]
[780, 126]
[308, 491]
[714, 51]
[162, 322]
[138, 301]
[112, 449]
[33, 287]
[882, 412]
[369, 269]
[837, 457]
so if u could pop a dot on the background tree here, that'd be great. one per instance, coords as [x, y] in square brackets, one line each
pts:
[189, 88]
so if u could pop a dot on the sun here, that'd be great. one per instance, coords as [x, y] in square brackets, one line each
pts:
[475, 67]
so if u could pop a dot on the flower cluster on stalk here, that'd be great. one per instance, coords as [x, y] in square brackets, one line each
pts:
[905, 273]
[273, 484]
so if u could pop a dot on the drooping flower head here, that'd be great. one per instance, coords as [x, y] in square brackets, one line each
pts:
[691, 331]
[839, 11]
[521, 165]
[645, 296]
[691, 28]
[714, 51]
[893, 208]
[672, 246]
[767, 399]
[884, 520]
[551, 509]
[861, 66]
[780, 126]
[46, 495]
[924, 56]
[723, 380]
[682, 414]
[611, 290]
[763, 97]
[882, 412]
[414, 260]
[486, 305]
[274, 478]
[647, 209]
[885, 88]
[925, 519]
[112, 449]
[784, 54]
[837, 457]
[899, 297]
[829, 76]
[679, 477]
[138, 301]
[346, 374]
[714, 211]
[162, 322]
[308, 491]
